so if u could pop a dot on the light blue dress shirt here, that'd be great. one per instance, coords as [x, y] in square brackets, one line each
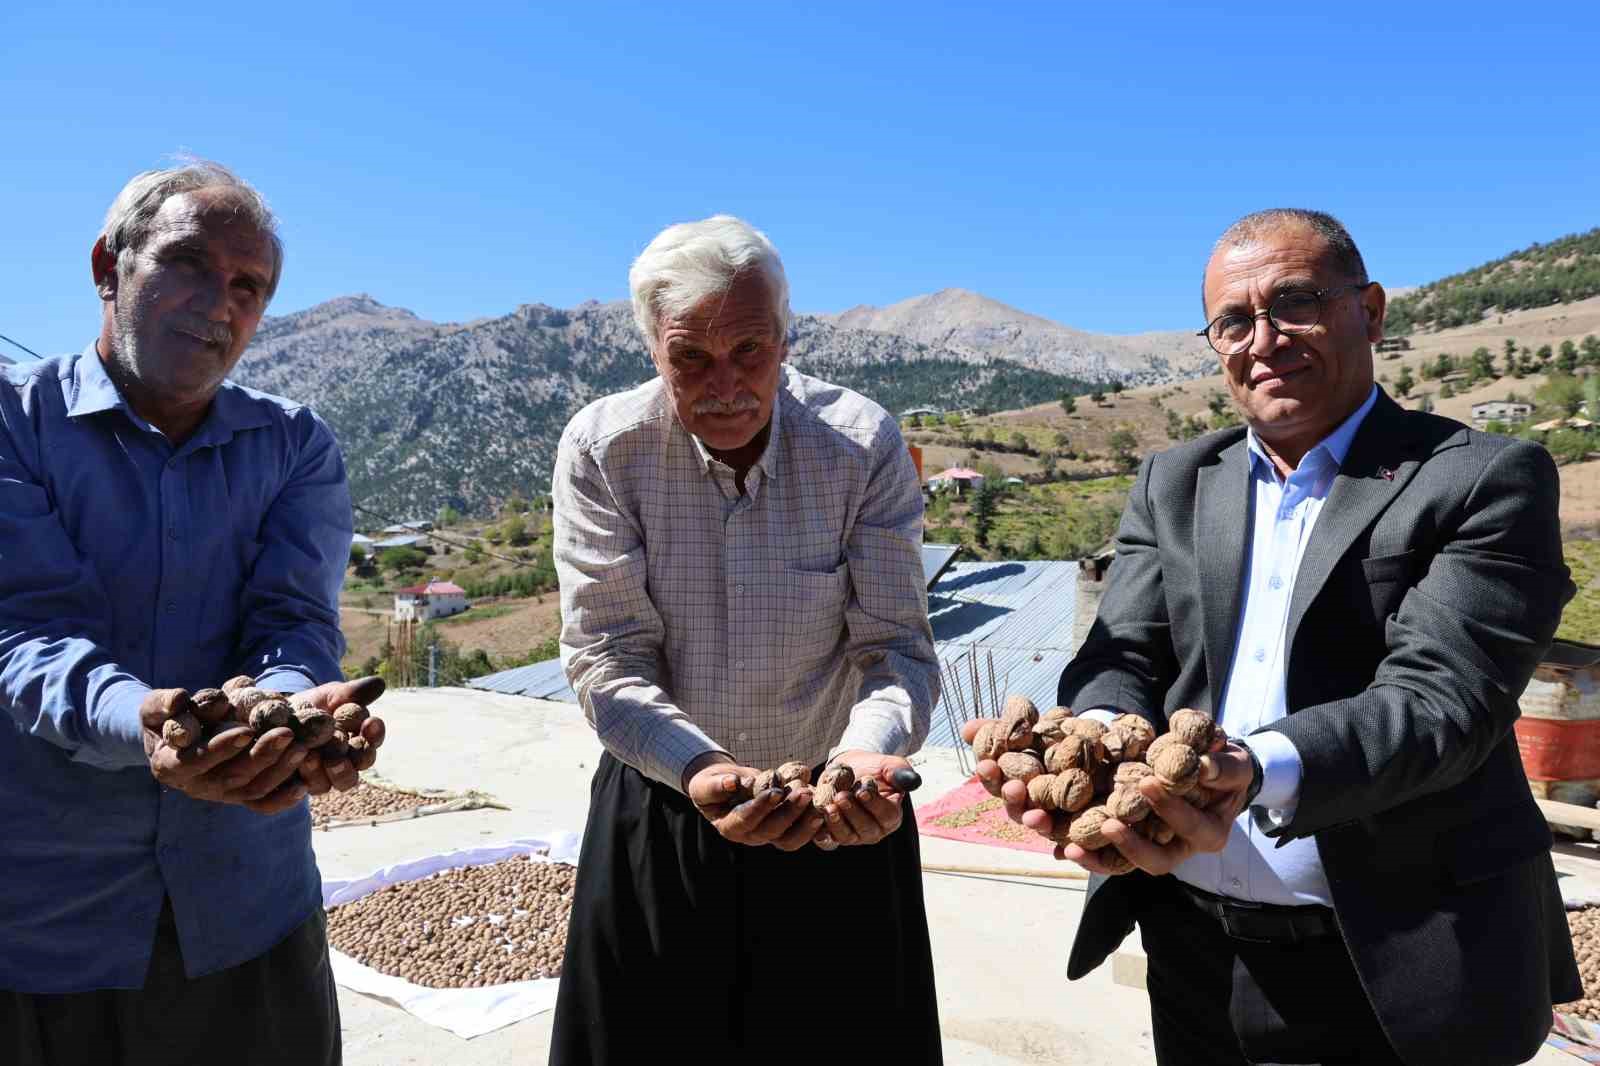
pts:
[126, 564]
[1284, 512]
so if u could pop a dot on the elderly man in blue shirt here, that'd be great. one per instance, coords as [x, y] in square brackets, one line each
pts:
[162, 530]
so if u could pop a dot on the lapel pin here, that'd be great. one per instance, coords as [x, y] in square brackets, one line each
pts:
[1385, 473]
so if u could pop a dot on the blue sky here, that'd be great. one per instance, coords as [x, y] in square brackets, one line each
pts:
[1073, 160]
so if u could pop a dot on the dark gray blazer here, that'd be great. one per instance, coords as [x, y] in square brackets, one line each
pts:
[1432, 584]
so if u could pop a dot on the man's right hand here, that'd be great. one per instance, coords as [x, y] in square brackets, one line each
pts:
[1015, 793]
[786, 821]
[235, 766]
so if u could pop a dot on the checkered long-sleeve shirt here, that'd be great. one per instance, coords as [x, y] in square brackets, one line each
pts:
[790, 622]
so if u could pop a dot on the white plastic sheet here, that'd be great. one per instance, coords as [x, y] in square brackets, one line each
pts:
[467, 1012]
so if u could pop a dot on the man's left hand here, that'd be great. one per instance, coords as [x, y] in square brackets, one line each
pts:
[1224, 781]
[860, 816]
[319, 774]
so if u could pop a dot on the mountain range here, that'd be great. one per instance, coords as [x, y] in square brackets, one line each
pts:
[466, 414]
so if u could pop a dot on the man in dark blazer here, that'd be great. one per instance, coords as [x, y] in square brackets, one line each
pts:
[1359, 593]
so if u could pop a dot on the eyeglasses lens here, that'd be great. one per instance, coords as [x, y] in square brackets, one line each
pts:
[1296, 311]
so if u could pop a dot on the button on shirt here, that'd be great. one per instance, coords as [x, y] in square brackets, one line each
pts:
[128, 564]
[789, 621]
[1251, 866]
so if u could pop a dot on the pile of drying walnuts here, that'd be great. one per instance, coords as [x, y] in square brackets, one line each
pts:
[240, 703]
[463, 928]
[1585, 927]
[364, 801]
[1085, 772]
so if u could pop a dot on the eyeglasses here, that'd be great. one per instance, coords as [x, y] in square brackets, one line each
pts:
[1291, 313]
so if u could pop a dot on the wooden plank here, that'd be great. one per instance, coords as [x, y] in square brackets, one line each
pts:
[1569, 814]
[1004, 871]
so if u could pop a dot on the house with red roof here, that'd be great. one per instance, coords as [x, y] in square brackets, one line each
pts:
[436, 599]
[962, 479]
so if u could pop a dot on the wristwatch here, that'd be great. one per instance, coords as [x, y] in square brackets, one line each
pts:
[1255, 773]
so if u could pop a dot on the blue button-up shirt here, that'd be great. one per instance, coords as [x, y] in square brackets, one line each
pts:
[1284, 512]
[128, 563]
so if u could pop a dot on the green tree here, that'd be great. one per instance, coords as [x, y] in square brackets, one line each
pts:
[1591, 396]
[1174, 425]
[1019, 443]
[1591, 350]
[1062, 441]
[1561, 395]
[1069, 403]
[914, 422]
[395, 560]
[1124, 447]
[1048, 464]
[1116, 388]
[1403, 384]
[1543, 354]
[1097, 396]
[514, 530]
[983, 507]
[953, 420]
[1446, 391]
[1481, 366]
[1567, 361]
[447, 516]
[474, 552]
[1217, 402]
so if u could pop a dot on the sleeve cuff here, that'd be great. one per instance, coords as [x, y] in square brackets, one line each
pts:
[284, 679]
[1103, 715]
[878, 728]
[120, 732]
[1281, 771]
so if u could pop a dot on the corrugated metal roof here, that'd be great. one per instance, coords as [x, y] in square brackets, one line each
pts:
[1017, 614]
[935, 559]
[544, 681]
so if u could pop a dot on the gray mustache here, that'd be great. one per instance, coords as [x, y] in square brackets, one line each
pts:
[715, 407]
[221, 336]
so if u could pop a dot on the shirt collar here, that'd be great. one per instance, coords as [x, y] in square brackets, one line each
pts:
[1334, 447]
[768, 463]
[233, 409]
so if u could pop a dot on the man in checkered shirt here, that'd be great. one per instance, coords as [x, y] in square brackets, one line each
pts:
[741, 586]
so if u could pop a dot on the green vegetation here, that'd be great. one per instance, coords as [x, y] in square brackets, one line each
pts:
[1058, 520]
[1581, 619]
[1538, 276]
[479, 614]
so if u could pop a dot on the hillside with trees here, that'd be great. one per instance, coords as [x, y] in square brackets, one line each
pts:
[1540, 275]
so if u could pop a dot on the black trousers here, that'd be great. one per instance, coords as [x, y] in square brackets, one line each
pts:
[276, 1009]
[1218, 1001]
[681, 942]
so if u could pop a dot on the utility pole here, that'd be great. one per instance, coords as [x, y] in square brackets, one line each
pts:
[433, 664]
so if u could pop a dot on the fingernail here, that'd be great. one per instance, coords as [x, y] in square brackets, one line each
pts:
[243, 740]
[776, 794]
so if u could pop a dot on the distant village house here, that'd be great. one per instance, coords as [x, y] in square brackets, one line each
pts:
[959, 478]
[436, 599]
[1499, 411]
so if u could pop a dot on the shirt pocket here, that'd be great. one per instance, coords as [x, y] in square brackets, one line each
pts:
[1387, 579]
[814, 616]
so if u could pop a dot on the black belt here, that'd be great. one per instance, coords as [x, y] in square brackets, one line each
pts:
[1264, 923]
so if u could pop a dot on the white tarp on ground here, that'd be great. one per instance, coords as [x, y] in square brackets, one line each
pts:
[467, 1012]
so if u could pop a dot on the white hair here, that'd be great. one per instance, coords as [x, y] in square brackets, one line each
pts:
[127, 224]
[690, 262]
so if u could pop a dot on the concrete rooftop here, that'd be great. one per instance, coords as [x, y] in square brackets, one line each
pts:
[999, 943]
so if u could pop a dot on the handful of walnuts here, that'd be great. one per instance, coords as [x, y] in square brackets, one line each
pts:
[1085, 772]
[793, 776]
[337, 735]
